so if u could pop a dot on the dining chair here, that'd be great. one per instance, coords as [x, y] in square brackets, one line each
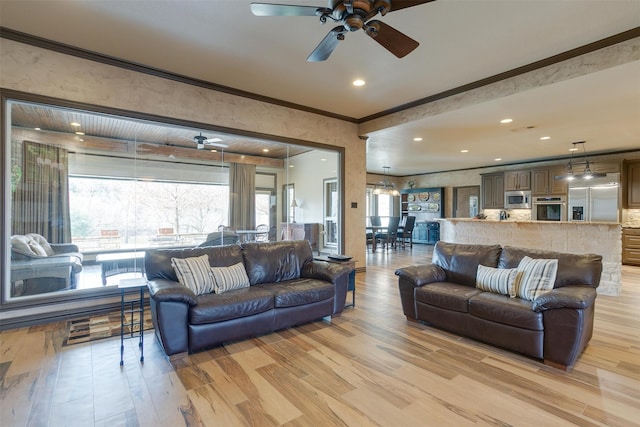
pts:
[264, 228]
[407, 231]
[389, 238]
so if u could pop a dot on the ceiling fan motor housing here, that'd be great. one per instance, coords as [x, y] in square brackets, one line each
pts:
[352, 20]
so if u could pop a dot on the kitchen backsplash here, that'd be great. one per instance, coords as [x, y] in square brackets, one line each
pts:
[631, 217]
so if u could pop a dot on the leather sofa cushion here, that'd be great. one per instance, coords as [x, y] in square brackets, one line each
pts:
[157, 262]
[460, 262]
[450, 296]
[234, 304]
[502, 309]
[299, 292]
[275, 261]
[573, 269]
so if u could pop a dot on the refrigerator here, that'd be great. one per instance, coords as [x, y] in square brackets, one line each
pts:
[595, 200]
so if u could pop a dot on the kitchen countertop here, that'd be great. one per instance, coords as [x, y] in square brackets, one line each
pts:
[510, 221]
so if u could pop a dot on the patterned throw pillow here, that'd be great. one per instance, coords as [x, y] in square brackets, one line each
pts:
[496, 280]
[535, 277]
[228, 278]
[194, 273]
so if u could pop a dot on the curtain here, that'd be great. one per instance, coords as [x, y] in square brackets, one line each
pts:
[242, 196]
[41, 198]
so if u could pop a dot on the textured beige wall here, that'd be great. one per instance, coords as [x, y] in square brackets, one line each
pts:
[39, 71]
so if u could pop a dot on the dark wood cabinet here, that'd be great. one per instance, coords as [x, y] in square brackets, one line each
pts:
[517, 180]
[544, 182]
[493, 191]
[632, 181]
[631, 246]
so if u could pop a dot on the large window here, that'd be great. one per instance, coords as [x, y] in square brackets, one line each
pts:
[85, 191]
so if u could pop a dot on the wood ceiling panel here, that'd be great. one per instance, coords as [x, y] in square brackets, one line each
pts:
[97, 128]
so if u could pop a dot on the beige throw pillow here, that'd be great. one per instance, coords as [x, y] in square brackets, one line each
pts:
[534, 277]
[496, 280]
[228, 278]
[194, 273]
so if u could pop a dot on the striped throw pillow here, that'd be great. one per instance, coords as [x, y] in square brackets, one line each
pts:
[535, 277]
[228, 278]
[496, 280]
[194, 273]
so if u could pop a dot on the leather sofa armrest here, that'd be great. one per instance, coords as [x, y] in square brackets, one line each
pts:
[419, 275]
[168, 290]
[322, 270]
[577, 297]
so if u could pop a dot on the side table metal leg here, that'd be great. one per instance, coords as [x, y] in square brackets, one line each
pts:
[141, 327]
[121, 327]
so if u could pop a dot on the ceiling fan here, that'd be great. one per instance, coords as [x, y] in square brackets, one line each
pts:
[352, 15]
[201, 141]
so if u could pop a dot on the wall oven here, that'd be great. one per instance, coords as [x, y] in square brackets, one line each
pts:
[517, 199]
[549, 208]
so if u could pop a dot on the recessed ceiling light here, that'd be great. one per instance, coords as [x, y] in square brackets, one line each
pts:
[323, 160]
[37, 129]
[75, 124]
[290, 166]
[506, 121]
[498, 159]
[80, 139]
[265, 150]
[464, 151]
[213, 150]
[359, 82]
[79, 133]
[544, 138]
[573, 149]
[417, 139]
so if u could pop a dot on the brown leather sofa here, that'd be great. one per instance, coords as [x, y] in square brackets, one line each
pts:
[287, 287]
[555, 327]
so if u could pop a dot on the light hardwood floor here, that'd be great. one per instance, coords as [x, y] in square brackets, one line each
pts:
[367, 367]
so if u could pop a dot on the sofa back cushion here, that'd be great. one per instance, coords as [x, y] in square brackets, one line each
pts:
[271, 262]
[157, 262]
[460, 262]
[573, 269]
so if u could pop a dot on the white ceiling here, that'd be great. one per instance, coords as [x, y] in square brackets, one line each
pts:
[460, 42]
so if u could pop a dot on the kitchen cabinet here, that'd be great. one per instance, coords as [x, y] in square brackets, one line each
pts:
[544, 182]
[493, 191]
[632, 180]
[426, 232]
[517, 180]
[631, 246]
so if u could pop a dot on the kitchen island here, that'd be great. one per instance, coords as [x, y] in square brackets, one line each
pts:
[572, 237]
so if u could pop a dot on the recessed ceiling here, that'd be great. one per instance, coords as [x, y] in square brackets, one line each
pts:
[460, 42]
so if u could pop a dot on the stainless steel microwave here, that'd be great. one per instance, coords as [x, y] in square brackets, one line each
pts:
[517, 199]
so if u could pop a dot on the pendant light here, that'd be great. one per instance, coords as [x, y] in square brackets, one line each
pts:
[386, 186]
[587, 173]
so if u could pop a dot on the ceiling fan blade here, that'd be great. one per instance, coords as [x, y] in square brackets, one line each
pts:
[327, 45]
[391, 39]
[271, 9]
[403, 4]
[215, 144]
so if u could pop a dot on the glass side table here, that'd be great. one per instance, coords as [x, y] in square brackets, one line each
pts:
[130, 308]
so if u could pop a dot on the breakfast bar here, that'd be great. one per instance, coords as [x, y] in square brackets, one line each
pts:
[599, 238]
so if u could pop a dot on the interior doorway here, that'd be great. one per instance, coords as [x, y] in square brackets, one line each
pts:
[466, 201]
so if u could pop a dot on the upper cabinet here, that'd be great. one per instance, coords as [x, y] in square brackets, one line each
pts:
[632, 180]
[517, 180]
[493, 191]
[543, 182]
